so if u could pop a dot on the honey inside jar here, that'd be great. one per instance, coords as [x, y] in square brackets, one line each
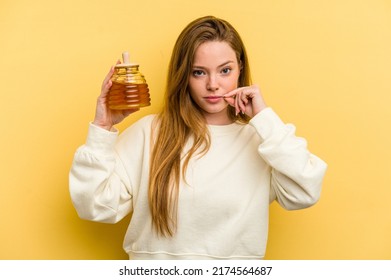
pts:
[129, 88]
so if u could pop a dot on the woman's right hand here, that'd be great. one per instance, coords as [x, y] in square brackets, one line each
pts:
[104, 116]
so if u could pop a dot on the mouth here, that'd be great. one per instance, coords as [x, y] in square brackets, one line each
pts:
[214, 97]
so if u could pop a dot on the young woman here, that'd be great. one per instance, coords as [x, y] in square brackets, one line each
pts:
[199, 176]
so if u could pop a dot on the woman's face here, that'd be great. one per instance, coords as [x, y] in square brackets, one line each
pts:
[215, 72]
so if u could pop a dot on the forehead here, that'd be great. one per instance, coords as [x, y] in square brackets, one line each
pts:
[214, 52]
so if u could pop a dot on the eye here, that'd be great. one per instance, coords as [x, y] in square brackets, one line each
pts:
[197, 73]
[226, 70]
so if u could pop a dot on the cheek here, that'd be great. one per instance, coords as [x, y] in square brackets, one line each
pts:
[231, 83]
[194, 87]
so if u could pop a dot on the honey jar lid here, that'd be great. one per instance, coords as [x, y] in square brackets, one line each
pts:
[126, 61]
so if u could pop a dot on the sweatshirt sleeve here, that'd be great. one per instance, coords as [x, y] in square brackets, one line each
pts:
[296, 174]
[99, 188]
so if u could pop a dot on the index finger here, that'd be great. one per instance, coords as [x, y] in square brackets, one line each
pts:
[109, 75]
[233, 92]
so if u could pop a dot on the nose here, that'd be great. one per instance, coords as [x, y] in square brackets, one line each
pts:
[212, 84]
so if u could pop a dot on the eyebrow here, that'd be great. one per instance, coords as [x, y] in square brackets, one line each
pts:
[221, 65]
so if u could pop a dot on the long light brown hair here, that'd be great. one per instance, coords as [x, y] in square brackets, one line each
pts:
[181, 119]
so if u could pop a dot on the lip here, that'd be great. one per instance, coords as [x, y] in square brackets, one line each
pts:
[214, 98]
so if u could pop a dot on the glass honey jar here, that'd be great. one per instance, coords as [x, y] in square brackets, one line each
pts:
[129, 88]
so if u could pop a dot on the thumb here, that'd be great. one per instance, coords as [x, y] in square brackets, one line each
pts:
[230, 100]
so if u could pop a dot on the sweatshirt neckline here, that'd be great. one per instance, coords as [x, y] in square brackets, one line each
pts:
[224, 129]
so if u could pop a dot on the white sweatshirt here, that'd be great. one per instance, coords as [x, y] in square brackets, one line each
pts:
[223, 209]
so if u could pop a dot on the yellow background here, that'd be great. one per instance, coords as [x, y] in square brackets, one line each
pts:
[322, 65]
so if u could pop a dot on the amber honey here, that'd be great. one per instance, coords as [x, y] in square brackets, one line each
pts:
[129, 88]
[125, 96]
